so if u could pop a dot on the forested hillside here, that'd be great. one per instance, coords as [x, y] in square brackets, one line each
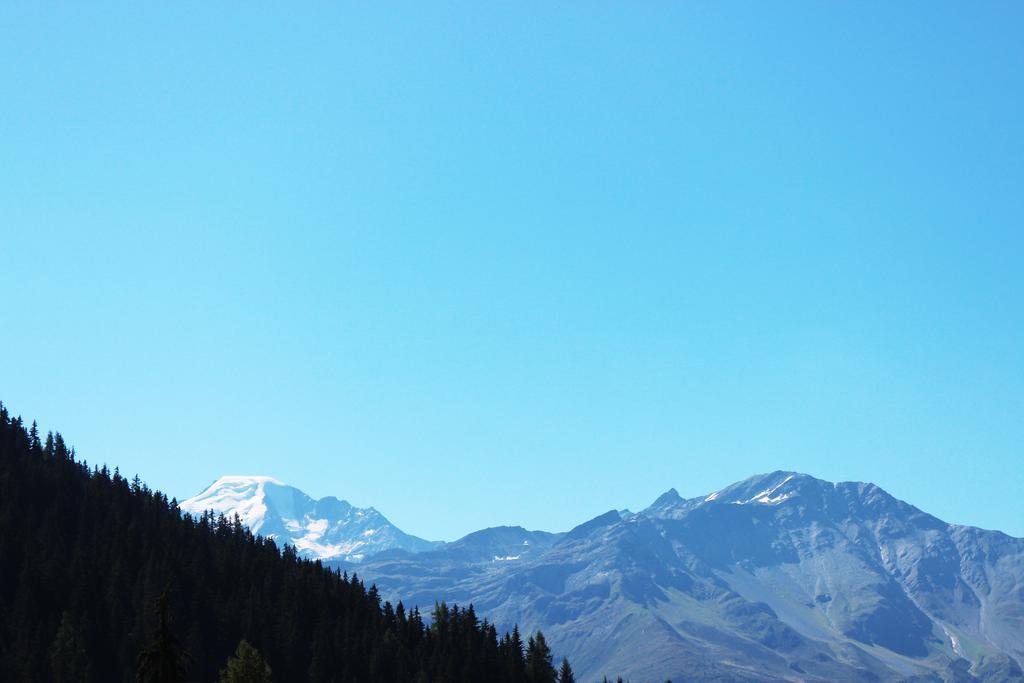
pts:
[103, 579]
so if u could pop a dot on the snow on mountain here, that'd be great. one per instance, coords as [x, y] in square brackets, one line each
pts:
[327, 528]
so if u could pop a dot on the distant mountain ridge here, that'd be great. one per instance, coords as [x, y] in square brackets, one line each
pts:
[780, 577]
[327, 528]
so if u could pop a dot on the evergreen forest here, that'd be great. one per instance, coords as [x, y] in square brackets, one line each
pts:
[103, 579]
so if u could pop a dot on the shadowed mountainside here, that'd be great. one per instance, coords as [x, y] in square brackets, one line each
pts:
[778, 577]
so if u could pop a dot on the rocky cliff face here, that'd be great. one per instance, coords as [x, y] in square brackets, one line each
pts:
[779, 577]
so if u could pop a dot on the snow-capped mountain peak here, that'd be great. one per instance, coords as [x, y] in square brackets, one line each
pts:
[328, 528]
[246, 496]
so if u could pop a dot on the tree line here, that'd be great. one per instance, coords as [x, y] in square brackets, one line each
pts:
[103, 579]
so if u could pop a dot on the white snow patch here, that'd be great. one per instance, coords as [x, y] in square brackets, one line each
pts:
[316, 527]
[953, 641]
[768, 499]
[767, 496]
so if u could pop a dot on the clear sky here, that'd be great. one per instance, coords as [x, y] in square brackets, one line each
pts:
[521, 263]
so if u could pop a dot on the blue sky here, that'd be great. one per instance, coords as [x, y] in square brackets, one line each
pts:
[521, 264]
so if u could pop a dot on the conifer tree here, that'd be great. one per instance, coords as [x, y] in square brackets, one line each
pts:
[245, 666]
[162, 661]
[33, 437]
[69, 662]
[565, 674]
[516, 665]
[538, 660]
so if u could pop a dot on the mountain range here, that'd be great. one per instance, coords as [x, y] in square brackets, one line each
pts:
[780, 577]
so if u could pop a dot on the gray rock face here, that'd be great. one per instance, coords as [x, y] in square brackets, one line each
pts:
[781, 577]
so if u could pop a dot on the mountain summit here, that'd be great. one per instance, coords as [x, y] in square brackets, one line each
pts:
[327, 528]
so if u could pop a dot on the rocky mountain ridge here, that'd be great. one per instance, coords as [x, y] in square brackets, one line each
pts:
[780, 577]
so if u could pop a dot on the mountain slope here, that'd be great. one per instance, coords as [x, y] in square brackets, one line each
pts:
[779, 577]
[328, 528]
[85, 554]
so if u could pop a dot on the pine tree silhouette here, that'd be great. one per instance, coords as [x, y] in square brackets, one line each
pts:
[565, 674]
[68, 660]
[162, 661]
[538, 660]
